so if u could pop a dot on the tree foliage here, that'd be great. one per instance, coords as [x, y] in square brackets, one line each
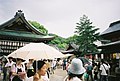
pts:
[72, 39]
[60, 42]
[87, 35]
[41, 28]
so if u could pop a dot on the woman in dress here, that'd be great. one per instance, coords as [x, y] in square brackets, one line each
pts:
[18, 72]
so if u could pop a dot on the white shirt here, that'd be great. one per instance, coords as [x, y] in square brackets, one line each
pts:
[73, 79]
[45, 78]
[29, 66]
[103, 69]
[15, 67]
[9, 64]
[53, 63]
[29, 79]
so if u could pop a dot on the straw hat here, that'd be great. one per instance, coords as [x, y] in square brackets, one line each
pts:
[76, 67]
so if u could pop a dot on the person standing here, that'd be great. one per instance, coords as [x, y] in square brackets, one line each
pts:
[104, 70]
[89, 71]
[8, 68]
[53, 66]
[30, 69]
[40, 69]
[18, 72]
[10, 62]
[75, 71]
[64, 64]
[0, 67]
[95, 68]
[48, 67]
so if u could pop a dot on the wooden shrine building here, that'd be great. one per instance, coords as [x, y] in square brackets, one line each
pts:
[112, 39]
[17, 32]
[111, 49]
[72, 49]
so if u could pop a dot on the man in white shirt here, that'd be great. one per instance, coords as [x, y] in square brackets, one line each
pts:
[104, 67]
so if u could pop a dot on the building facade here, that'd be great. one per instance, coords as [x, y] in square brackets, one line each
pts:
[111, 39]
[17, 32]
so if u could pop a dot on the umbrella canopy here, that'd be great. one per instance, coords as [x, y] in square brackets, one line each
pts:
[36, 51]
[68, 55]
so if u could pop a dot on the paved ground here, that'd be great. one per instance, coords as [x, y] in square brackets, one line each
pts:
[59, 75]
[1, 77]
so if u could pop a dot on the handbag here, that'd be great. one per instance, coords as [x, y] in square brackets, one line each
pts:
[30, 72]
[16, 78]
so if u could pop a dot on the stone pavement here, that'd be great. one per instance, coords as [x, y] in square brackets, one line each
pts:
[1, 77]
[59, 75]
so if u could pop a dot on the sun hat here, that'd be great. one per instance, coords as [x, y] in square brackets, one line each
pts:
[17, 59]
[76, 67]
[10, 57]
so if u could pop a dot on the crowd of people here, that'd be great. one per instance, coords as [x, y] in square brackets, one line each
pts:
[95, 71]
[15, 70]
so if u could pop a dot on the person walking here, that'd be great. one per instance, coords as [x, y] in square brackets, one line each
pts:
[104, 70]
[75, 71]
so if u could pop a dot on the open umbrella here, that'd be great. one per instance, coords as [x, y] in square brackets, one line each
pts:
[36, 51]
[68, 55]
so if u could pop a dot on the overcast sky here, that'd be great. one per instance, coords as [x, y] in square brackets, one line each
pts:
[60, 16]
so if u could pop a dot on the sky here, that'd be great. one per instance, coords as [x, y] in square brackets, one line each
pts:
[60, 16]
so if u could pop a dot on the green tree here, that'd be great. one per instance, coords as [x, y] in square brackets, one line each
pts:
[87, 35]
[41, 28]
[72, 39]
[60, 42]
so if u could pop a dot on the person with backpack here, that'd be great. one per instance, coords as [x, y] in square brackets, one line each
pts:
[89, 71]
